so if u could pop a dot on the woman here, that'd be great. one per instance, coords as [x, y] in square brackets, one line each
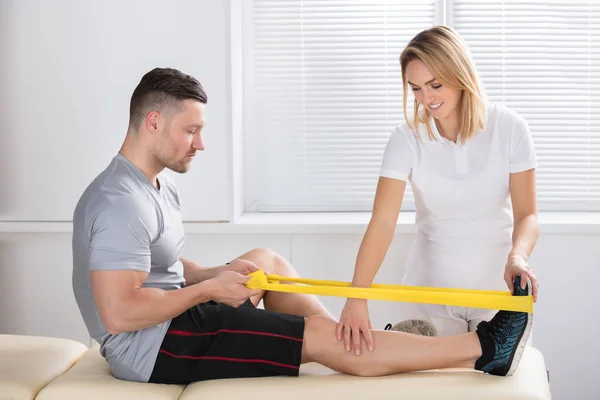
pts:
[471, 165]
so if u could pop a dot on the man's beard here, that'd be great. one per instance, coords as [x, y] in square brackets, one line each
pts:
[180, 166]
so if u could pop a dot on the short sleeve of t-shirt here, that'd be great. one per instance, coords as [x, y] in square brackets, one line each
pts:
[398, 157]
[522, 152]
[119, 240]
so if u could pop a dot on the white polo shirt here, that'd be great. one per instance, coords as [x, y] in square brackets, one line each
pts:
[464, 217]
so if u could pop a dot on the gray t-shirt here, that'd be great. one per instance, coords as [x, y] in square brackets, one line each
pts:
[123, 222]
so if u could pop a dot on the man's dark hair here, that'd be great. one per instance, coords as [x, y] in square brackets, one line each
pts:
[162, 87]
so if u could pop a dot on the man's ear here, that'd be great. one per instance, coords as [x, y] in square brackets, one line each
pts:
[152, 121]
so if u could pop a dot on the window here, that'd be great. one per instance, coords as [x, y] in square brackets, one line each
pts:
[323, 91]
[542, 59]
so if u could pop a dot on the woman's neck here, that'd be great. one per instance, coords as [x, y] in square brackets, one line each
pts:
[449, 128]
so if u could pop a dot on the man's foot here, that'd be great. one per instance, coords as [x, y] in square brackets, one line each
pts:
[414, 326]
[503, 339]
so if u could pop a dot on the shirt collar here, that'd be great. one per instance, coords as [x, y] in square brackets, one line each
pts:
[439, 139]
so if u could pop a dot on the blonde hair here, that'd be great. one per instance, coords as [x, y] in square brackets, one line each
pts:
[447, 57]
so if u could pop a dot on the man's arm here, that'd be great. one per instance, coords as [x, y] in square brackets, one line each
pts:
[119, 264]
[194, 273]
[124, 306]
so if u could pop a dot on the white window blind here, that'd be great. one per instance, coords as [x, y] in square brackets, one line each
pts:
[542, 59]
[327, 92]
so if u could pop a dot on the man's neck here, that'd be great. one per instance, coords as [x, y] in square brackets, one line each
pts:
[136, 153]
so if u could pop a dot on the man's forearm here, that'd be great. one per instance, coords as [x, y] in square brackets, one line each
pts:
[194, 273]
[147, 307]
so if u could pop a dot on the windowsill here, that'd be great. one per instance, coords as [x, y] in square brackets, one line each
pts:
[330, 223]
[320, 223]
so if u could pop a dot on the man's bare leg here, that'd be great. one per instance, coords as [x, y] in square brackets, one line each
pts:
[289, 303]
[495, 347]
[395, 352]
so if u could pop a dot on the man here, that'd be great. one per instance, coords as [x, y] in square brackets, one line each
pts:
[161, 318]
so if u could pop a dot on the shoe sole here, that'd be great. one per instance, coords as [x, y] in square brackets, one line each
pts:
[415, 327]
[522, 341]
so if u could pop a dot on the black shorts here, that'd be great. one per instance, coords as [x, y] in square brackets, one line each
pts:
[216, 341]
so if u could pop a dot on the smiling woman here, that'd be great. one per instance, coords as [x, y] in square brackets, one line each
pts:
[440, 100]
[437, 56]
[471, 165]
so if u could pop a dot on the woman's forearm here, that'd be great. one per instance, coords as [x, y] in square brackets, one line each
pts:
[525, 236]
[371, 253]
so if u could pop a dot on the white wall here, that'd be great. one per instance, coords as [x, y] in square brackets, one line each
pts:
[67, 69]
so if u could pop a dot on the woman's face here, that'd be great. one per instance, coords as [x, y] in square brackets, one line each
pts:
[439, 99]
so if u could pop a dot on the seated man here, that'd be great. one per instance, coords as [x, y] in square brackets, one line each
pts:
[161, 318]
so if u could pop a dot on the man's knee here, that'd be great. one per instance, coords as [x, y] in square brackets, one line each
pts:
[261, 252]
[272, 261]
[261, 256]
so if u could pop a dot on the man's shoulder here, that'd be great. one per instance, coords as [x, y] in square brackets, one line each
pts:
[114, 191]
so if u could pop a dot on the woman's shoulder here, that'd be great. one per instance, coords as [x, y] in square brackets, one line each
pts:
[505, 117]
[405, 132]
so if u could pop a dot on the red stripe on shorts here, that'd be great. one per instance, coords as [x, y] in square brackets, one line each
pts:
[184, 333]
[243, 360]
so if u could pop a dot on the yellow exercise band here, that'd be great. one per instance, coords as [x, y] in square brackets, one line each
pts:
[489, 299]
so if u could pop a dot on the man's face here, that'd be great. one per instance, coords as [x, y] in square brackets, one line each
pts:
[176, 145]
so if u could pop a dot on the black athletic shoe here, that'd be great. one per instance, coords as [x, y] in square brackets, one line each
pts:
[503, 339]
